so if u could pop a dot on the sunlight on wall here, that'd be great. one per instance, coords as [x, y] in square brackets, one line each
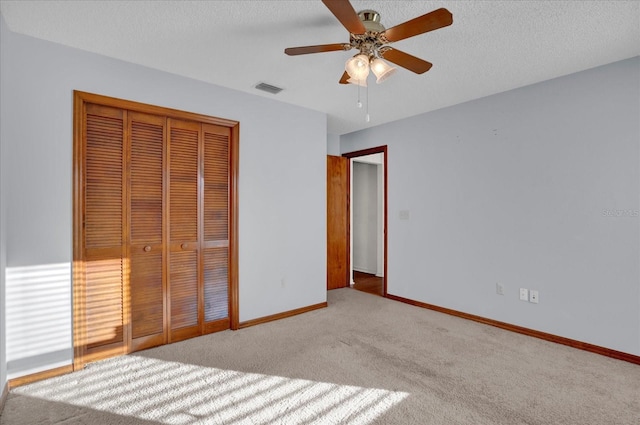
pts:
[38, 309]
[178, 393]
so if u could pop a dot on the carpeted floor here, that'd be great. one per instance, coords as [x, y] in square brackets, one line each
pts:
[363, 360]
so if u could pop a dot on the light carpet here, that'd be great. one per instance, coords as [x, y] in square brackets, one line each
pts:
[363, 360]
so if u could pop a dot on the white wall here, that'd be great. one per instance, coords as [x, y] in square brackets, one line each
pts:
[365, 217]
[282, 213]
[536, 187]
[4, 36]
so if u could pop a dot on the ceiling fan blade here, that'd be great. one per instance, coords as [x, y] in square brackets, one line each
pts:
[406, 60]
[293, 51]
[346, 14]
[425, 23]
[344, 79]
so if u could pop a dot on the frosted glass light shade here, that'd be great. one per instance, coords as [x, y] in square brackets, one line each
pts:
[361, 83]
[382, 70]
[358, 67]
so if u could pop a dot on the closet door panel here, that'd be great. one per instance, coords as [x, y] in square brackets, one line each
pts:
[216, 183]
[147, 138]
[103, 242]
[104, 302]
[184, 276]
[147, 298]
[216, 223]
[183, 186]
[184, 289]
[216, 288]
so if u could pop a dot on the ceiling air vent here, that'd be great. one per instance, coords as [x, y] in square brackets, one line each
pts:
[268, 88]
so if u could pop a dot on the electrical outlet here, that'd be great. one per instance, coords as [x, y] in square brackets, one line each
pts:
[533, 296]
[524, 294]
[499, 289]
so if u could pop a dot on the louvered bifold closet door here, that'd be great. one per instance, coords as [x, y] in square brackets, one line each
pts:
[184, 276]
[103, 264]
[215, 252]
[146, 249]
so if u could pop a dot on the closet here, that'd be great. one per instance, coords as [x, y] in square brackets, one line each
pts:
[155, 247]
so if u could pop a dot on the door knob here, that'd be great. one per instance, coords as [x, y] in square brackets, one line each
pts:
[184, 246]
[147, 248]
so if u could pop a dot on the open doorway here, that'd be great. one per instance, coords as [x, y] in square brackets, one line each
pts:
[368, 219]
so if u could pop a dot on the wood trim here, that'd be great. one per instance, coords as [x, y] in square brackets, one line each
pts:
[78, 284]
[166, 319]
[127, 326]
[619, 355]
[234, 305]
[152, 109]
[283, 315]
[3, 396]
[200, 231]
[216, 326]
[166, 233]
[39, 376]
[363, 152]
[144, 342]
[386, 218]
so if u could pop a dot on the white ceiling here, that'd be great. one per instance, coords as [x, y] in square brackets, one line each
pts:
[492, 46]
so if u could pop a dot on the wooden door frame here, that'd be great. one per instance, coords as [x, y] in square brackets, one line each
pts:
[80, 99]
[363, 152]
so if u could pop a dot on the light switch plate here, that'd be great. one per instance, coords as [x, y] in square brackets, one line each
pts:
[524, 294]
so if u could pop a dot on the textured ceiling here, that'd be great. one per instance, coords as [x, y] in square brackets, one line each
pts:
[492, 46]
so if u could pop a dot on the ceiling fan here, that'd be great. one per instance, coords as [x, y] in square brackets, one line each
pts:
[371, 39]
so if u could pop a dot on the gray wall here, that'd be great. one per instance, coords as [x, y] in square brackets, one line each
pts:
[4, 36]
[365, 217]
[282, 238]
[536, 187]
[333, 144]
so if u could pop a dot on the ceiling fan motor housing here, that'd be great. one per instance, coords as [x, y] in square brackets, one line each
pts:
[369, 42]
[371, 20]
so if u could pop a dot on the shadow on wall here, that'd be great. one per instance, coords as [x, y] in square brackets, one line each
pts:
[38, 318]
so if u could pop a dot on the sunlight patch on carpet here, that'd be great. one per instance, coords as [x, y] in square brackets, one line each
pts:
[178, 393]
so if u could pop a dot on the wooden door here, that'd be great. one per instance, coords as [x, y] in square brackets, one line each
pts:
[146, 248]
[184, 203]
[155, 226]
[337, 222]
[215, 227]
[103, 242]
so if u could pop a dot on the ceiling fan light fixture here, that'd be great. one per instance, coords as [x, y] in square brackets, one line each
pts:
[382, 70]
[361, 83]
[358, 67]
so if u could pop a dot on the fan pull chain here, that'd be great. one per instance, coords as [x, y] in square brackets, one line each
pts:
[359, 102]
[367, 118]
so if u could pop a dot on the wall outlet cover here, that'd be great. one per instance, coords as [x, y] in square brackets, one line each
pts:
[524, 294]
[533, 296]
[499, 289]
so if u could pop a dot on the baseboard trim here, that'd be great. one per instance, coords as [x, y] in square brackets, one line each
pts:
[282, 315]
[3, 396]
[39, 376]
[619, 355]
